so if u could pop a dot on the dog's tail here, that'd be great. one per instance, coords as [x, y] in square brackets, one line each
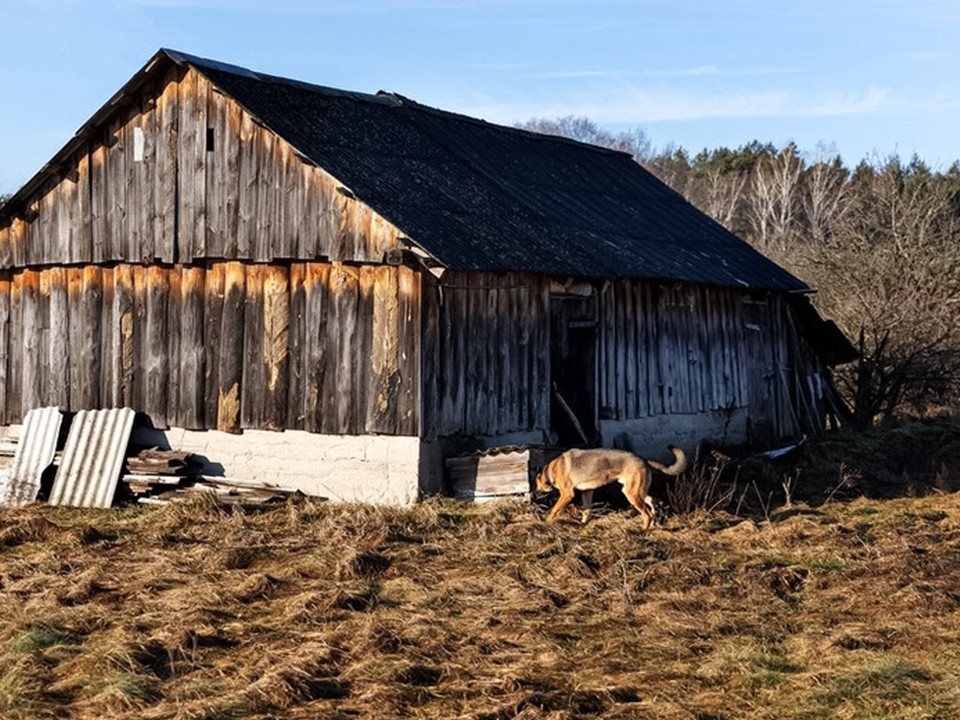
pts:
[679, 462]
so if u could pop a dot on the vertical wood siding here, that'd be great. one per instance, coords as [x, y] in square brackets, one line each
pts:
[486, 354]
[309, 346]
[674, 349]
[182, 173]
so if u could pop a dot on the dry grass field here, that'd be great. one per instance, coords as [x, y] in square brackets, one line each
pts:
[839, 609]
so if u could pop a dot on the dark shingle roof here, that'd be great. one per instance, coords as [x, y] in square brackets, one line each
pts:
[479, 196]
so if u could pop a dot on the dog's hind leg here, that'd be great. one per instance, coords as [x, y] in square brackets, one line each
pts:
[634, 489]
[586, 502]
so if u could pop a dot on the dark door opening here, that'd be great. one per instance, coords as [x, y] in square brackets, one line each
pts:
[573, 352]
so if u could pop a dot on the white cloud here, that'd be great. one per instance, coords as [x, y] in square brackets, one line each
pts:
[637, 105]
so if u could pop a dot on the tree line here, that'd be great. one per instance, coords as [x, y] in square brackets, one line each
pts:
[879, 241]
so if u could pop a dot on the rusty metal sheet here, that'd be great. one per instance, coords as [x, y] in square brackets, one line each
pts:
[34, 454]
[93, 458]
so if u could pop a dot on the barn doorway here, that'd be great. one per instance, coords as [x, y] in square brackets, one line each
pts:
[573, 363]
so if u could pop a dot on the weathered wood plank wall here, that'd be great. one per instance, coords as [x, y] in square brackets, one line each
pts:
[181, 174]
[321, 347]
[486, 354]
[674, 349]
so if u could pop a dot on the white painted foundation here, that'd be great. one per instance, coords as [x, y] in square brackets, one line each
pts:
[376, 469]
[650, 436]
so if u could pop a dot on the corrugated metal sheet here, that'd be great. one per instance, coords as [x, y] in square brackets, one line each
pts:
[34, 454]
[93, 458]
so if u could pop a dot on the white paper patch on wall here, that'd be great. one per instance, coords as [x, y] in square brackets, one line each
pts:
[138, 144]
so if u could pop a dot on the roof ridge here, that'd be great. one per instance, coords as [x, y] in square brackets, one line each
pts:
[380, 97]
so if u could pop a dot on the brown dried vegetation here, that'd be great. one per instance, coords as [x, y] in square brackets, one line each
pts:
[310, 610]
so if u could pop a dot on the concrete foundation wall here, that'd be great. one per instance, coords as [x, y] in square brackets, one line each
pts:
[376, 469]
[650, 436]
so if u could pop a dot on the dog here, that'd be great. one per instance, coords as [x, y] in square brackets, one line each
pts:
[586, 470]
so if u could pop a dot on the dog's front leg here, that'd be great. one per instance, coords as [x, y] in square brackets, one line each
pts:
[565, 498]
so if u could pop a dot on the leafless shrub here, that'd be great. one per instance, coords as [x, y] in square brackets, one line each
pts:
[705, 485]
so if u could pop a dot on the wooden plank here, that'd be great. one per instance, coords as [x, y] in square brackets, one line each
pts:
[252, 405]
[248, 184]
[429, 357]
[125, 305]
[84, 238]
[267, 195]
[476, 381]
[152, 344]
[99, 228]
[524, 350]
[362, 319]
[190, 403]
[381, 285]
[213, 298]
[165, 169]
[172, 342]
[324, 206]
[61, 351]
[109, 327]
[231, 352]
[229, 153]
[409, 304]
[24, 236]
[32, 326]
[631, 396]
[490, 352]
[36, 251]
[216, 178]
[289, 203]
[653, 337]
[640, 348]
[14, 359]
[310, 244]
[132, 220]
[276, 346]
[116, 179]
[6, 245]
[44, 390]
[148, 189]
[297, 338]
[5, 289]
[539, 308]
[609, 345]
[191, 177]
[344, 284]
[452, 330]
[505, 379]
[320, 346]
[697, 321]
[91, 304]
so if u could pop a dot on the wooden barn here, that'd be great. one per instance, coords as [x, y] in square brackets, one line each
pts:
[235, 254]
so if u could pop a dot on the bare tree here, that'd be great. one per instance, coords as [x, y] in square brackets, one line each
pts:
[889, 274]
[774, 198]
[576, 127]
[825, 194]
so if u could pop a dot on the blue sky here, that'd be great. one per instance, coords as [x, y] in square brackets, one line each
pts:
[866, 78]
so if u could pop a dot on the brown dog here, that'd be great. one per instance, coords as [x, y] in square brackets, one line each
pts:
[586, 470]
